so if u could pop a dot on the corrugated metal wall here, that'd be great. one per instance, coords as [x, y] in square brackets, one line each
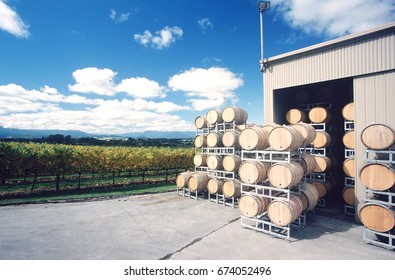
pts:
[374, 98]
[369, 54]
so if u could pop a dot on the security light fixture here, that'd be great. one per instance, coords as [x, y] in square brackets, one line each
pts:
[263, 6]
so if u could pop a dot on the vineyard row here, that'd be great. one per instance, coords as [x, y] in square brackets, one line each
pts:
[25, 159]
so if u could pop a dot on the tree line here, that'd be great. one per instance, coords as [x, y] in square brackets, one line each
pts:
[93, 141]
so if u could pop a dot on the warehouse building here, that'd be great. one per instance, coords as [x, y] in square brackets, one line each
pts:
[358, 69]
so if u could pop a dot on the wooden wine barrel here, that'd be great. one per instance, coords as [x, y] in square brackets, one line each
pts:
[309, 196]
[322, 139]
[323, 164]
[231, 163]
[349, 167]
[283, 212]
[254, 138]
[324, 187]
[214, 162]
[200, 141]
[252, 172]
[231, 188]
[349, 139]
[308, 163]
[214, 116]
[348, 112]
[200, 160]
[214, 185]
[182, 179]
[251, 205]
[319, 115]
[234, 114]
[200, 122]
[214, 139]
[198, 182]
[231, 139]
[285, 138]
[378, 177]
[295, 115]
[269, 127]
[378, 137]
[284, 175]
[376, 216]
[307, 131]
[348, 194]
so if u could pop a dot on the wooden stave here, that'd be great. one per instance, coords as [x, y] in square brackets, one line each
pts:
[307, 131]
[214, 162]
[261, 170]
[285, 175]
[324, 163]
[382, 134]
[259, 136]
[348, 112]
[231, 163]
[285, 138]
[214, 185]
[182, 179]
[322, 140]
[377, 176]
[295, 115]
[201, 122]
[319, 115]
[349, 139]
[348, 195]
[200, 141]
[231, 188]
[214, 139]
[234, 114]
[198, 182]
[214, 116]
[349, 167]
[378, 208]
[200, 160]
[260, 204]
[231, 139]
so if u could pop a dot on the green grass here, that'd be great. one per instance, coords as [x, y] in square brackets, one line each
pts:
[84, 195]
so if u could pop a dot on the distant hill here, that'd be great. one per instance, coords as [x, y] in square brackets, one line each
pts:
[38, 133]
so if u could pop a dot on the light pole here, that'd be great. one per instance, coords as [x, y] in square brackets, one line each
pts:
[262, 6]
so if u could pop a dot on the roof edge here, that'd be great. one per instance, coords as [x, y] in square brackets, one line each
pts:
[331, 43]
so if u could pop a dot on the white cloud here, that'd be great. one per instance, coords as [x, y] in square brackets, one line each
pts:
[205, 24]
[141, 88]
[110, 116]
[162, 38]
[101, 81]
[11, 22]
[335, 18]
[121, 18]
[94, 80]
[15, 98]
[209, 88]
[159, 107]
[46, 108]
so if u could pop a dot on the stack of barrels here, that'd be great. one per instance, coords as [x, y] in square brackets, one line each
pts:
[377, 210]
[317, 143]
[349, 168]
[281, 175]
[217, 151]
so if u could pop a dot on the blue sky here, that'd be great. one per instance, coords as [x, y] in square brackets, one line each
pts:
[118, 66]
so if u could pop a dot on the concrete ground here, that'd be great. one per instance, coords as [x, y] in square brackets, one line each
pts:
[168, 226]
